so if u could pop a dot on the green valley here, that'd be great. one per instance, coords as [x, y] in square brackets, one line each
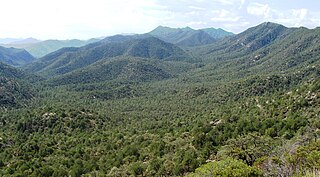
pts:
[172, 102]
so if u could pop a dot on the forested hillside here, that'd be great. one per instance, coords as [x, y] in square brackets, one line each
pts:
[243, 105]
[15, 57]
[14, 87]
[188, 37]
[67, 60]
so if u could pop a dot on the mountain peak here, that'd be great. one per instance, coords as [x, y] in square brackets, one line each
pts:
[152, 47]
[162, 30]
[29, 40]
[270, 25]
[217, 33]
[187, 28]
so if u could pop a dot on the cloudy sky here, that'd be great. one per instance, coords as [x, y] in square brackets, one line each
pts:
[67, 19]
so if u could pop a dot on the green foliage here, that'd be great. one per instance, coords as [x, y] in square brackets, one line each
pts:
[133, 116]
[306, 157]
[248, 148]
[225, 168]
[13, 93]
[67, 60]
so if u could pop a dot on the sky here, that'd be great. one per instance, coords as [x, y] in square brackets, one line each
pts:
[84, 19]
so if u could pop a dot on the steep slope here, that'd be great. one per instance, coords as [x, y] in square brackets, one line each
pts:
[195, 38]
[152, 47]
[182, 36]
[267, 48]
[14, 91]
[244, 43]
[69, 59]
[15, 57]
[10, 72]
[298, 49]
[257, 37]
[169, 34]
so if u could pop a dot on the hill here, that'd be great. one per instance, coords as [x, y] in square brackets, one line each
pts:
[267, 48]
[182, 36]
[15, 57]
[123, 69]
[217, 33]
[246, 42]
[70, 59]
[188, 37]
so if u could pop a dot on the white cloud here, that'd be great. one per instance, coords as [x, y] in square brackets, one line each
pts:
[84, 19]
[196, 8]
[224, 16]
[79, 18]
[297, 18]
[225, 2]
[257, 9]
[299, 13]
[196, 23]
[242, 2]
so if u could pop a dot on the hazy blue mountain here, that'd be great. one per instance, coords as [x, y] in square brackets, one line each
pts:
[121, 38]
[9, 40]
[41, 48]
[15, 57]
[26, 41]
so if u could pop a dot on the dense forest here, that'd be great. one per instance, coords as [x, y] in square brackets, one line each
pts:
[142, 105]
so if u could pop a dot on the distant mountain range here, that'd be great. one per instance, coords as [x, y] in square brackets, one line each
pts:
[40, 48]
[181, 36]
[254, 50]
[9, 40]
[26, 41]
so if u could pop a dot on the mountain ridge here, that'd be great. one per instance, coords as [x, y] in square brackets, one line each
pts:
[41, 48]
[69, 59]
[185, 36]
[139, 106]
[15, 57]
